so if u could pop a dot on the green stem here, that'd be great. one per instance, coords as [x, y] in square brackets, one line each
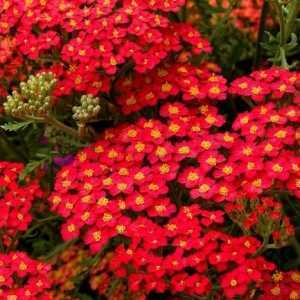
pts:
[249, 102]
[39, 224]
[262, 25]
[225, 19]
[14, 242]
[293, 9]
[1, 242]
[279, 10]
[296, 246]
[263, 247]
[58, 249]
[61, 126]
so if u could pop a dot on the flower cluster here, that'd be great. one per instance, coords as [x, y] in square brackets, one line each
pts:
[65, 268]
[134, 183]
[84, 41]
[282, 285]
[267, 149]
[22, 278]
[266, 85]
[15, 200]
[169, 80]
[101, 280]
[264, 217]
[161, 260]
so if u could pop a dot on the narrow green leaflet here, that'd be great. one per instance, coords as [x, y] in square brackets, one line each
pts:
[15, 126]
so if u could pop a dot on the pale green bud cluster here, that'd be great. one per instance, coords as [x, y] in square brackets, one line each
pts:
[88, 110]
[34, 97]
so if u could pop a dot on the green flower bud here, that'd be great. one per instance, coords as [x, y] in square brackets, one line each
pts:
[33, 98]
[88, 109]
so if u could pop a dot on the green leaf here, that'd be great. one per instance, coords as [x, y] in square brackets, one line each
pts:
[15, 126]
[32, 166]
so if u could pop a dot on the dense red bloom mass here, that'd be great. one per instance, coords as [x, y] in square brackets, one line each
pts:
[128, 184]
[171, 79]
[23, 278]
[271, 84]
[15, 200]
[86, 42]
[180, 202]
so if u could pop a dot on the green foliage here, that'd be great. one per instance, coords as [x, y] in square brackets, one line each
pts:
[233, 49]
[67, 143]
[16, 126]
[41, 160]
[279, 47]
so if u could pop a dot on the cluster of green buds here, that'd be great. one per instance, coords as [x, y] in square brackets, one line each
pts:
[34, 97]
[88, 110]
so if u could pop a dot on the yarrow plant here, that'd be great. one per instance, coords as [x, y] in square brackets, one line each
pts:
[23, 278]
[16, 201]
[145, 158]
[136, 181]
[85, 43]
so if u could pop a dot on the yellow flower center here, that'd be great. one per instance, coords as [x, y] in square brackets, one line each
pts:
[132, 133]
[212, 161]
[223, 191]
[164, 169]
[194, 91]
[131, 101]
[97, 236]
[71, 228]
[122, 186]
[153, 187]
[206, 145]
[257, 183]
[277, 168]
[295, 276]
[174, 127]
[155, 133]
[102, 201]
[184, 150]
[281, 134]
[160, 208]
[233, 282]
[203, 188]
[227, 170]
[247, 151]
[277, 277]
[161, 151]
[244, 120]
[139, 200]
[112, 154]
[166, 87]
[250, 165]
[107, 217]
[268, 148]
[139, 176]
[120, 229]
[256, 90]
[210, 119]
[215, 90]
